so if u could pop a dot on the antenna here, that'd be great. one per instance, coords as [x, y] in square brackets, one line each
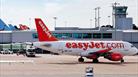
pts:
[98, 9]
[55, 18]
[113, 13]
[113, 16]
[109, 20]
[95, 17]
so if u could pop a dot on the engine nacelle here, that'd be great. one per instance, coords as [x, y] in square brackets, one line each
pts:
[114, 56]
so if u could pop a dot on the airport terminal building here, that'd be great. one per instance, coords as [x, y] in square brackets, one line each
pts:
[72, 33]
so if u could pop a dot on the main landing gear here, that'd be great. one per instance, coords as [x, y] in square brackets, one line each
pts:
[122, 60]
[81, 59]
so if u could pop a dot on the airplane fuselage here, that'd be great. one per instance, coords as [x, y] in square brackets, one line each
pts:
[83, 48]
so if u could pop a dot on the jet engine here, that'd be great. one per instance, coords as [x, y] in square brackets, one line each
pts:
[113, 56]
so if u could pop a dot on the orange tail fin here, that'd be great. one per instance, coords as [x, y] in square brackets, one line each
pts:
[43, 32]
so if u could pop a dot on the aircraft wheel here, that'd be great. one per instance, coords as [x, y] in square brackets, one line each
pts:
[122, 61]
[95, 61]
[81, 59]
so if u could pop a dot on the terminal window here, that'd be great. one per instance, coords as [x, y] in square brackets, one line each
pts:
[77, 35]
[66, 35]
[107, 35]
[35, 35]
[87, 35]
[58, 35]
[96, 35]
[121, 10]
[62, 35]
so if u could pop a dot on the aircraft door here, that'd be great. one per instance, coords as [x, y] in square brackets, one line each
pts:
[65, 50]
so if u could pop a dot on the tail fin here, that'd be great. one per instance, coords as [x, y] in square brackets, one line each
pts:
[43, 32]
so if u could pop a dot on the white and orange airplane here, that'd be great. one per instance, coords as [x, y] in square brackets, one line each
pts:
[112, 50]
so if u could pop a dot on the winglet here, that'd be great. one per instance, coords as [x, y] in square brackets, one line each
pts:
[43, 32]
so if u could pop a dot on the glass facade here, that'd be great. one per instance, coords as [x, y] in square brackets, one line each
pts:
[63, 35]
[58, 35]
[107, 35]
[97, 35]
[66, 35]
[78, 35]
[87, 35]
[121, 10]
[35, 35]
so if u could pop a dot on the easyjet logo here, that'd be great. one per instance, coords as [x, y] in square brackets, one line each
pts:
[90, 45]
[44, 29]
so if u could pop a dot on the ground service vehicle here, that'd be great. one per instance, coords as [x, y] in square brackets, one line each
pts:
[30, 51]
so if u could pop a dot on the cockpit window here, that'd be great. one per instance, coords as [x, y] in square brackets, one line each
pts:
[132, 45]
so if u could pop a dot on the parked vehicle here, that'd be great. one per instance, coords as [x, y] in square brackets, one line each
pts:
[30, 51]
[6, 51]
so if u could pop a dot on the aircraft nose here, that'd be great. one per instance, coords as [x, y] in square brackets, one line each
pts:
[136, 51]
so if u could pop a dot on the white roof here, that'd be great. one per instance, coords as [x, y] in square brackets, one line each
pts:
[130, 30]
[5, 31]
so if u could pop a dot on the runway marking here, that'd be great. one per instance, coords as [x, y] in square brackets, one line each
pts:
[16, 61]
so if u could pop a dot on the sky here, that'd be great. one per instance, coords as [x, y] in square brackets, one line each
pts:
[69, 13]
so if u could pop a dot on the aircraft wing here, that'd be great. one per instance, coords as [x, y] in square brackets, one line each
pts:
[99, 52]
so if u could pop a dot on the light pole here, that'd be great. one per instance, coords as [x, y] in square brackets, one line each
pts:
[91, 22]
[0, 8]
[98, 9]
[29, 26]
[55, 18]
[65, 23]
[29, 21]
[108, 20]
[95, 17]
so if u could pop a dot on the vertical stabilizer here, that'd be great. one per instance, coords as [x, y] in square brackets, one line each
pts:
[43, 32]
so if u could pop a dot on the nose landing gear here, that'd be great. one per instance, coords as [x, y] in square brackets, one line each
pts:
[95, 61]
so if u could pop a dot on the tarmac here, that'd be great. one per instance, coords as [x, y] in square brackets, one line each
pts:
[46, 65]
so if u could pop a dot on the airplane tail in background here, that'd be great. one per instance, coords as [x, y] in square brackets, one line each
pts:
[43, 32]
